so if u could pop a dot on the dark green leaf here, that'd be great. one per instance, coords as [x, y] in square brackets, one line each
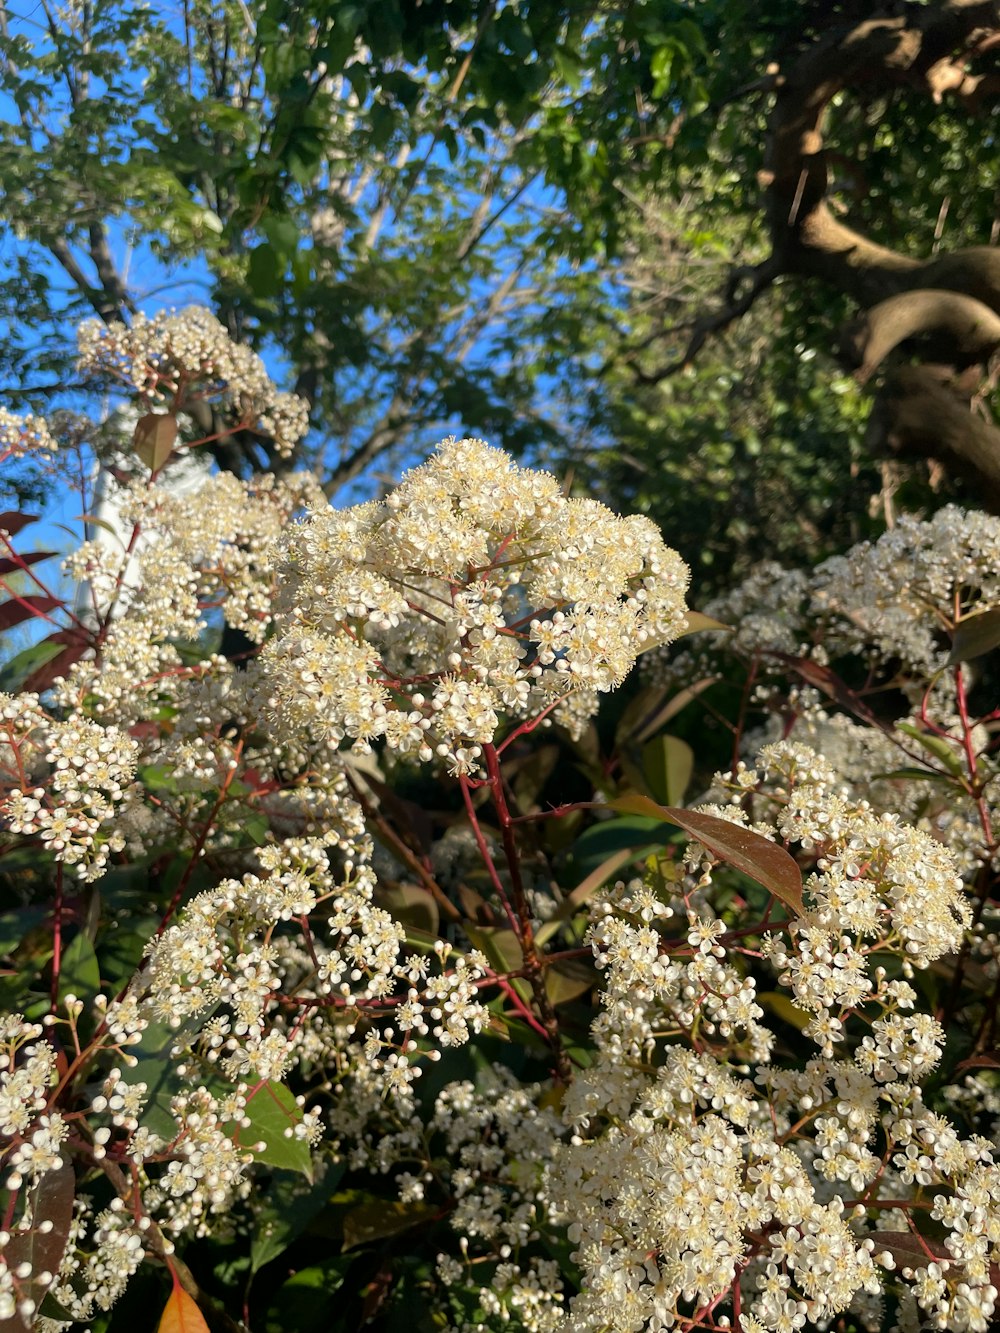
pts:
[668, 763]
[79, 973]
[288, 1206]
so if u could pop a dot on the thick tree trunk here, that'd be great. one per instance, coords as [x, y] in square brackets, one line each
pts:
[918, 415]
[949, 304]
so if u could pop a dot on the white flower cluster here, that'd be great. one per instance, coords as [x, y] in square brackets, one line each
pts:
[877, 878]
[482, 1150]
[917, 580]
[894, 600]
[66, 783]
[222, 970]
[685, 1177]
[24, 435]
[175, 357]
[475, 590]
[893, 607]
[194, 558]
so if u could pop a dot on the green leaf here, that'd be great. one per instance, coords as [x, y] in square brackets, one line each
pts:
[257, 826]
[122, 949]
[975, 635]
[650, 710]
[274, 1114]
[264, 272]
[569, 978]
[583, 892]
[651, 725]
[412, 906]
[289, 1205]
[781, 1006]
[764, 861]
[699, 623]
[503, 951]
[157, 1067]
[914, 775]
[303, 1303]
[943, 750]
[19, 668]
[154, 777]
[668, 763]
[636, 834]
[17, 925]
[79, 973]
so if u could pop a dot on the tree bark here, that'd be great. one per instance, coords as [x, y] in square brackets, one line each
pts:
[950, 303]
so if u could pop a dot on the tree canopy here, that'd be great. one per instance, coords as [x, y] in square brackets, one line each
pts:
[435, 214]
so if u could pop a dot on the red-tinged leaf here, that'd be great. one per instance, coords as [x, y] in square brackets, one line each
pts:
[154, 438]
[11, 566]
[12, 521]
[753, 854]
[20, 609]
[830, 684]
[181, 1314]
[987, 1060]
[42, 1250]
[41, 678]
[907, 1250]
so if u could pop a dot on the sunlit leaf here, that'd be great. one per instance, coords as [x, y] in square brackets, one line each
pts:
[181, 1314]
[274, 1116]
[153, 440]
[943, 750]
[699, 623]
[42, 1247]
[756, 856]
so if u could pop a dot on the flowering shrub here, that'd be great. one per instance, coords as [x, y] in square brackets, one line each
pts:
[362, 975]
